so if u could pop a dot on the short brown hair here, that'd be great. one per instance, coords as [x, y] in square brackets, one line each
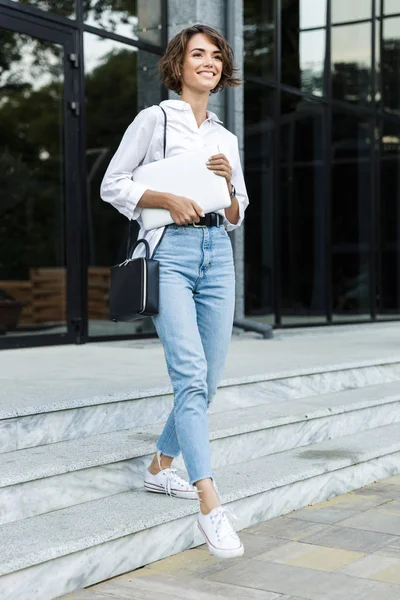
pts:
[170, 64]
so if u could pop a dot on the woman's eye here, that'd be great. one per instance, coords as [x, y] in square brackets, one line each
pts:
[199, 54]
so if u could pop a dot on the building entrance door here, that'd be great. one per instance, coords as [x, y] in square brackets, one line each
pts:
[40, 249]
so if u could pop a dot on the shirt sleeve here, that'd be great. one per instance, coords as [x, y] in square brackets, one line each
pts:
[117, 186]
[240, 187]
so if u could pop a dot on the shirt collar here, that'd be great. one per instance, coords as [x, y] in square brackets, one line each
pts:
[181, 105]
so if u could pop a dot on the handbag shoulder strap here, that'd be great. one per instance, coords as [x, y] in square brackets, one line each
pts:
[131, 245]
[165, 130]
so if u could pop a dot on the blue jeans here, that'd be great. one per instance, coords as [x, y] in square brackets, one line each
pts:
[194, 324]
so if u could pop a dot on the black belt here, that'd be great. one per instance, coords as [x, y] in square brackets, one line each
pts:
[209, 220]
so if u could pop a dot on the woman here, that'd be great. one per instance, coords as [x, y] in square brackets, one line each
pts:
[197, 280]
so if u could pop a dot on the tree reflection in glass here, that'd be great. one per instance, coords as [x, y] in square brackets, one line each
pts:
[64, 8]
[259, 37]
[351, 63]
[134, 19]
[303, 51]
[32, 202]
[390, 65]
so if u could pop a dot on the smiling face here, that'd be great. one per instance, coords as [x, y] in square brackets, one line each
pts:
[202, 66]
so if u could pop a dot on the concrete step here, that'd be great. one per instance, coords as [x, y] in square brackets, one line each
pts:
[44, 557]
[47, 478]
[27, 420]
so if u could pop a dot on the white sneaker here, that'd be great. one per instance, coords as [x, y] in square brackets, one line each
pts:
[222, 540]
[167, 481]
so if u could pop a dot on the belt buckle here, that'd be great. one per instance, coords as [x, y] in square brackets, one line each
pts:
[199, 226]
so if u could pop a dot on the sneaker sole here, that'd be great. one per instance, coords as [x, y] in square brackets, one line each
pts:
[185, 495]
[222, 553]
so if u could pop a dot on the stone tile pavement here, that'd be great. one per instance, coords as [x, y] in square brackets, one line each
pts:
[345, 548]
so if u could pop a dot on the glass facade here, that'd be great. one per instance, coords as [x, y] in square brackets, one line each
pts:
[137, 20]
[60, 126]
[322, 159]
[63, 8]
[322, 232]
[32, 189]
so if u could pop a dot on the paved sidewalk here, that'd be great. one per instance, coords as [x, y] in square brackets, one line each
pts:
[343, 549]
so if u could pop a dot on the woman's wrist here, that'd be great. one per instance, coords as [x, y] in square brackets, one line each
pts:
[167, 200]
[232, 213]
[153, 199]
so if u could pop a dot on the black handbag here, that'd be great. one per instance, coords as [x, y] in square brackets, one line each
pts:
[134, 285]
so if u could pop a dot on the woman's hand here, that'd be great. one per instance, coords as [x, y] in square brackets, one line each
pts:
[183, 210]
[221, 166]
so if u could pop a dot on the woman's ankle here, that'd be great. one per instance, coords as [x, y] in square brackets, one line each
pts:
[154, 470]
[165, 463]
[207, 495]
[208, 508]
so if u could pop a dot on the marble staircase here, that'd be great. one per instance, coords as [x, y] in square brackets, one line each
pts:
[72, 508]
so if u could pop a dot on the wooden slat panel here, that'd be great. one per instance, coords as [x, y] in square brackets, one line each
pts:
[98, 292]
[21, 291]
[49, 294]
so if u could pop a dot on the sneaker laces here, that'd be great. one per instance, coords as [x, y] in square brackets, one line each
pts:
[222, 521]
[171, 475]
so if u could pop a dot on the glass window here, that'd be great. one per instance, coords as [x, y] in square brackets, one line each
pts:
[389, 210]
[378, 28]
[120, 81]
[391, 7]
[303, 53]
[259, 37]
[139, 20]
[64, 8]
[351, 63]
[312, 13]
[302, 193]
[258, 153]
[390, 65]
[312, 60]
[32, 193]
[343, 10]
[350, 216]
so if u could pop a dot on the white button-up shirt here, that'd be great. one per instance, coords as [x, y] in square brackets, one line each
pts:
[143, 142]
